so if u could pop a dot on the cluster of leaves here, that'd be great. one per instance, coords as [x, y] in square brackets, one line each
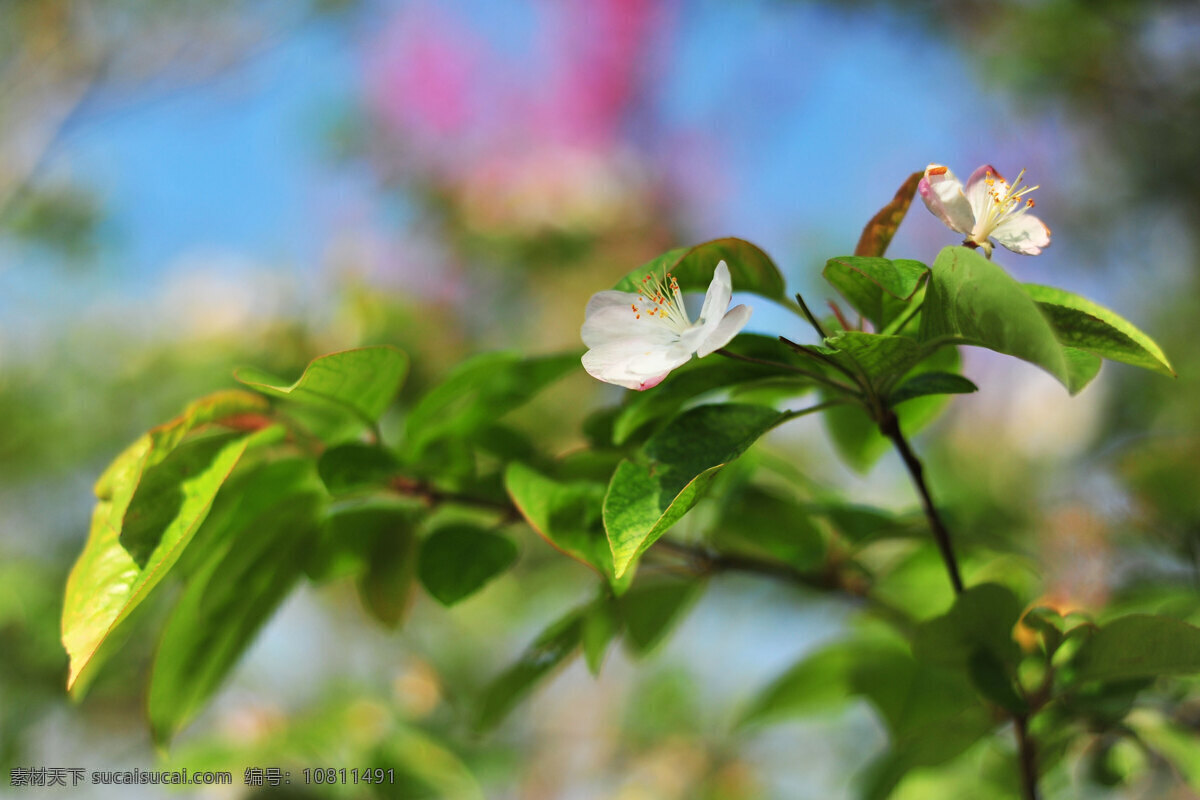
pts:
[247, 493]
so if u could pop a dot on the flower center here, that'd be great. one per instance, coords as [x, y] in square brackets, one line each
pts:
[1002, 203]
[659, 296]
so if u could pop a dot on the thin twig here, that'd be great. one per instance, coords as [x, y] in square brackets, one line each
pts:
[1026, 748]
[706, 561]
[1026, 757]
[837, 401]
[812, 320]
[702, 560]
[709, 561]
[889, 425]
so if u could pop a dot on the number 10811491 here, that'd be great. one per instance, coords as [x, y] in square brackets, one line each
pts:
[345, 776]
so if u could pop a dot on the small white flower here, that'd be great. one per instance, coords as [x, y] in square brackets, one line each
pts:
[637, 338]
[987, 208]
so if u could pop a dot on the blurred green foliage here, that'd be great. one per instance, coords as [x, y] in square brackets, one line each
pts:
[70, 409]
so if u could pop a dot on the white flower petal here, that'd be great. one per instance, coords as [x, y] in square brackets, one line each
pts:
[716, 299]
[1023, 233]
[729, 326]
[693, 336]
[634, 364]
[977, 189]
[633, 348]
[611, 298]
[618, 323]
[943, 195]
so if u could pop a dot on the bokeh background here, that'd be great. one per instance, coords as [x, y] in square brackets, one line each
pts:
[186, 188]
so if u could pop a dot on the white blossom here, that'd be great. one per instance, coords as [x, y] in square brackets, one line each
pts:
[988, 207]
[637, 338]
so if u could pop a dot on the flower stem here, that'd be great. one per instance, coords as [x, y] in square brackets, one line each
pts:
[889, 426]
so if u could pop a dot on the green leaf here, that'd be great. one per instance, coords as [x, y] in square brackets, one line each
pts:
[982, 618]
[927, 383]
[877, 288]
[946, 739]
[478, 392]
[601, 623]
[362, 381]
[911, 696]
[994, 681]
[644, 499]
[356, 467]
[167, 483]
[1089, 326]
[972, 298]
[1047, 622]
[1139, 645]
[254, 556]
[750, 269]
[931, 713]
[759, 522]
[818, 682]
[567, 515]
[878, 233]
[377, 545]
[1082, 367]
[231, 409]
[506, 443]
[388, 540]
[699, 376]
[880, 357]
[1102, 704]
[458, 560]
[860, 524]
[855, 435]
[555, 644]
[175, 494]
[652, 608]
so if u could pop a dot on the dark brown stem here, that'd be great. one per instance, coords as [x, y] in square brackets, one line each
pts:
[890, 427]
[1026, 750]
[831, 579]
[700, 559]
[1026, 757]
[710, 561]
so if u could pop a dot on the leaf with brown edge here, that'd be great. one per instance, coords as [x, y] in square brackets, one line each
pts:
[362, 381]
[151, 500]
[751, 269]
[878, 233]
[568, 516]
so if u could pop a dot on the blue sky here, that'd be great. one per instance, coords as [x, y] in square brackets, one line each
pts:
[817, 114]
